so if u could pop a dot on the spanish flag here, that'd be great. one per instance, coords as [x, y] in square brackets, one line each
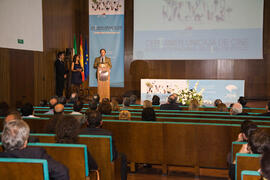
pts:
[81, 57]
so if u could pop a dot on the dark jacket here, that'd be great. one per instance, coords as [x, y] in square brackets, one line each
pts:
[57, 171]
[170, 107]
[60, 69]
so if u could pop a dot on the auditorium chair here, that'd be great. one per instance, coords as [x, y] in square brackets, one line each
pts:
[250, 175]
[23, 169]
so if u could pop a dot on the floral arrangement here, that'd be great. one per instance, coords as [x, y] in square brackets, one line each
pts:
[186, 95]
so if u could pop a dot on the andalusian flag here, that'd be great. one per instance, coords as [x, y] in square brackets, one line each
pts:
[74, 46]
[86, 60]
[81, 57]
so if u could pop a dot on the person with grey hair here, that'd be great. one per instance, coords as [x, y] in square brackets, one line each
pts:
[14, 140]
[171, 104]
[237, 109]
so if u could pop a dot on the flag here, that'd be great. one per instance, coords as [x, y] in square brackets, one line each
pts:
[81, 57]
[86, 60]
[74, 46]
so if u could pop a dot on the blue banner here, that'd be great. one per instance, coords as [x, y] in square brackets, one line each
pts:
[106, 31]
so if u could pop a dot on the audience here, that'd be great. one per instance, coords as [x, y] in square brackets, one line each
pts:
[58, 115]
[67, 131]
[237, 109]
[155, 100]
[217, 102]
[115, 106]
[96, 98]
[43, 103]
[133, 99]
[147, 104]
[124, 115]
[267, 109]
[242, 100]
[194, 105]
[12, 115]
[247, 127]
[171, 104]
[105, 107]
[14, 142]
[265, 164]
[126, 103]
[73, 98]
[28, 111]
[148, 114]
[53, 101]
[94, 127]
[222, 107]
[77, 107]
[258, 141]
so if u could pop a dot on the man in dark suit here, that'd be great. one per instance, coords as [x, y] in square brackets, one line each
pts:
[61, 73]
[94, 127]
[171, 104]
[14, 141]
[268, 110]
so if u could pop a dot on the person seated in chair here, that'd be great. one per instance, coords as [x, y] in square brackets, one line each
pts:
[267, 109]
[53, 101]
[171, 104]
[94, 127]
[14, 141]
[237, 109]
[28, 111]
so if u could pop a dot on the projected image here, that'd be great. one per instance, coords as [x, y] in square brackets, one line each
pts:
[198, 29]
[105, 6]
[200, 11]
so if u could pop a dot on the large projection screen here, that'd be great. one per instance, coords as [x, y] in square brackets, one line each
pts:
[198, 29]
[21, 24]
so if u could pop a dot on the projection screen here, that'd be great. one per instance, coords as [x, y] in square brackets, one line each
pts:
[198, 29]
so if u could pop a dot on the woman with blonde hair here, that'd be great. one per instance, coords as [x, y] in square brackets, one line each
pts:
[124, 115]
[147, 104]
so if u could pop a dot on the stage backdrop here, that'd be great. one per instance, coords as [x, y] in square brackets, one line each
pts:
[106, 30]
[226, 90]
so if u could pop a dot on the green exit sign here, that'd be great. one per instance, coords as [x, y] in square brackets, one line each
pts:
[20, 41]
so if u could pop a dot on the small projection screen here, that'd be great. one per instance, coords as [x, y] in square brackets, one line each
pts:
[198, 29]
[21, 24]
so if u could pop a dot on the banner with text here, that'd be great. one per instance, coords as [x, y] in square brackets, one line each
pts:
[106, 31]
[226, 90]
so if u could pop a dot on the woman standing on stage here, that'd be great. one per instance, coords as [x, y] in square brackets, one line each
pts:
[76, 77]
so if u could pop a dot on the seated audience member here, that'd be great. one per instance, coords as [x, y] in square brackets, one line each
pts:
[176, 97]
[124, 115]
[222, 107]
[265, 164]
[12, 115]
[237, 109]
[28, 111]
[242, 100]
[3, 109]
[133, 99]
[267, 109]
[94, 127]
[73, 98]
[155, 100]
[53, 101]
[115, 106]
[217, 102]
[77, 107]
[147, 104]
[67, 131]
[148, 114]
[62, 100]
[96, 98]
[194, 105]
[247, 127]
[105, 107]
[14, 141]
[171, 104]
[43, 103]
[58, 115]
[258, 141]
[126, 103]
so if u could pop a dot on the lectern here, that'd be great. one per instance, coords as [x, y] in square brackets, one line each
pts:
[103, 77]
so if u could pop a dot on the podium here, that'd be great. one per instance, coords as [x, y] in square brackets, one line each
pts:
[103, 78]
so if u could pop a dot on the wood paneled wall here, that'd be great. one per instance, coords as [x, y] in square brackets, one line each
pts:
[64, 18]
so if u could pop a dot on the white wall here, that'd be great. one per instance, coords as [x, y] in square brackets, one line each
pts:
[21, 19]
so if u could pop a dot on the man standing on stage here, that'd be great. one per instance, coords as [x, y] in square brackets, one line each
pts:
[60, 73]
[102, 59]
